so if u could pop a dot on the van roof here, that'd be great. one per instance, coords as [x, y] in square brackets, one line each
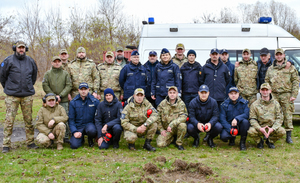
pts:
[213, 30]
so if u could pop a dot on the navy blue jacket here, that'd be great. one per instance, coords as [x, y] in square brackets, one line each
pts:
[150, 69]
[132, 77]
[231, 70]
[230, 111]
[108, 114]
[82, 112]
[216, 78]
[203, 112]
[190, 77]
[165, 76]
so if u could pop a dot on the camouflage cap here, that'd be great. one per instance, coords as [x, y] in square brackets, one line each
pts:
[109, 53]
[63, 51]
[139, 90]
[266, 86]
[56, 58]
[81, 49]
[119, 49]
[51, 97]
[246, 50]
[179, 45]
[20, 43]
[173, 87]
[279, 50]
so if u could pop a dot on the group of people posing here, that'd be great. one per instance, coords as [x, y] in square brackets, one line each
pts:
[175, 97]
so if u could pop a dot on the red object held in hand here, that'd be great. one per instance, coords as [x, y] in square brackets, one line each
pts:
[187, 119]
[149, 112]
[204, 128]
[234, 131]
[123, 103]
[107, 137]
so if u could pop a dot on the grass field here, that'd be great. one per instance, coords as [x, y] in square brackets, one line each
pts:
[122, 165]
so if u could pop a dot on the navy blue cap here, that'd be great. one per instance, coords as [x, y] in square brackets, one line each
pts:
[215, 50]
[164, 51]
[223, 51]
[233, 89]
[152, 53]
[135, 53]
[203, 88]
[192, 52]
[83, 85]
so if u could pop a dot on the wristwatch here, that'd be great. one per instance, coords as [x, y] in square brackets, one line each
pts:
[145, 124]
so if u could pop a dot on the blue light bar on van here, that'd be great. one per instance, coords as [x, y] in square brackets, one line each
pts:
[151, 20]
[265, 20]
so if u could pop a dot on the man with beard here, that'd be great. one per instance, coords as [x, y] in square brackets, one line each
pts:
[120, 59]
[63, 55]
[81, 70]
[179, 58]
[18, 74]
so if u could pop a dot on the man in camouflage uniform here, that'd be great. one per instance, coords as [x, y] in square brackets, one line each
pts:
[109, 73]
[171, 120]
[81, 70]
[63, 54]
[120, 59]
[179, 58]
[18, 74]
[51, 122]
[245, 77]
[285, 86]
[135, 121]
[57, 81]
[266, 119]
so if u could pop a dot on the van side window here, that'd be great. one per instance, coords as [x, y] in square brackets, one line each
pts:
[236, 55]
[293, 55]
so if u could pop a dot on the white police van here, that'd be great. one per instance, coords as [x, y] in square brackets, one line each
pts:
[233, 37]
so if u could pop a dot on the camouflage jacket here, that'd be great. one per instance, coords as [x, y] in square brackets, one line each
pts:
[84, 71]
[47, 113]
[283, 80]
[178, 61]
[171, 115]
[65, 66]
[266, 113]
[109, 76]
[245, 77]
[134, 115]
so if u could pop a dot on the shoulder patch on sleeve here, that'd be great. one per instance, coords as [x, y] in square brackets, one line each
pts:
[37, 118]
[123, 116]
[153, 109]
[121, 110]
[2, 64]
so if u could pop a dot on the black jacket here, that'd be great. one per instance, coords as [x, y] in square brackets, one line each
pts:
[18, 76]
[108, 114]
[190, 77]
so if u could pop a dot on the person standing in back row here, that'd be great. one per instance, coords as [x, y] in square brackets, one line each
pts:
[179, 58]
[224, 57]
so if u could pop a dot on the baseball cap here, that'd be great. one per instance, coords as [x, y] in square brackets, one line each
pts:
[109, 53]
[215, 50]
[279, 50]
[135, 53]
[139, 90]
[152, 53]
[63, 51]
[51, 97]
[20, 43]
[55, 58]
[233, 89]
[203, 88]
[83, 85]
[247, 50]
[119, 49]
[81, 49]
[264, 51]
[266, 86]
[173, 87]
[180, 45]
[164, 51]
[223, 51]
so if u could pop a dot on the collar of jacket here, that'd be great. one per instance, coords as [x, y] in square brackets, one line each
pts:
[112, 64]
[133, 104]
[175, 103]
[153, 64]
[81, 60]
[269, 63]
[51, 109]
[239, 100]
[115, 100]
[203, 103]
[78, 97]
[57, 69]
[133, 67]
[279, 66]
[166, 65]
[247, 62]
[212, 65]
[261, 101]
[176, 58]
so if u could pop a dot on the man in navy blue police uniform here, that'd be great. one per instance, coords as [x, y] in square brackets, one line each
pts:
[150, 66]
[204, 113]
[234, 113]
[215, 74]
[224, 57]
[82, 117]
[108, 120]
[133, 76]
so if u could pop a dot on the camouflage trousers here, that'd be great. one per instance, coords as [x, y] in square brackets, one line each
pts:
[180, 131]
[66, 107]
[251, 99]
[287, 108]
[131, 137]
[59, 133]
[274, 136]
[117, 94]
[12, 104]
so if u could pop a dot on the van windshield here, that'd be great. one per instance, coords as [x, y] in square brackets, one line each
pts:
[294, 55]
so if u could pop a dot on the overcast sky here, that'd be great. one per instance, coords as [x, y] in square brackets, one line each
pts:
[163, 11]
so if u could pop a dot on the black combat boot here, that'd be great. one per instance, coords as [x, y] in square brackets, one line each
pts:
[243, 143]
[289, 137]
[91, 142]
[180, 147]
[148, 146]
[174, 140]
[131, 146]
[210, 142]
[5, 149]
[32, 146]
[270, 145]
[260, 145]
[116, 145]
[206, 137]
[196, 141]
[66, 140]
[232, 141]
